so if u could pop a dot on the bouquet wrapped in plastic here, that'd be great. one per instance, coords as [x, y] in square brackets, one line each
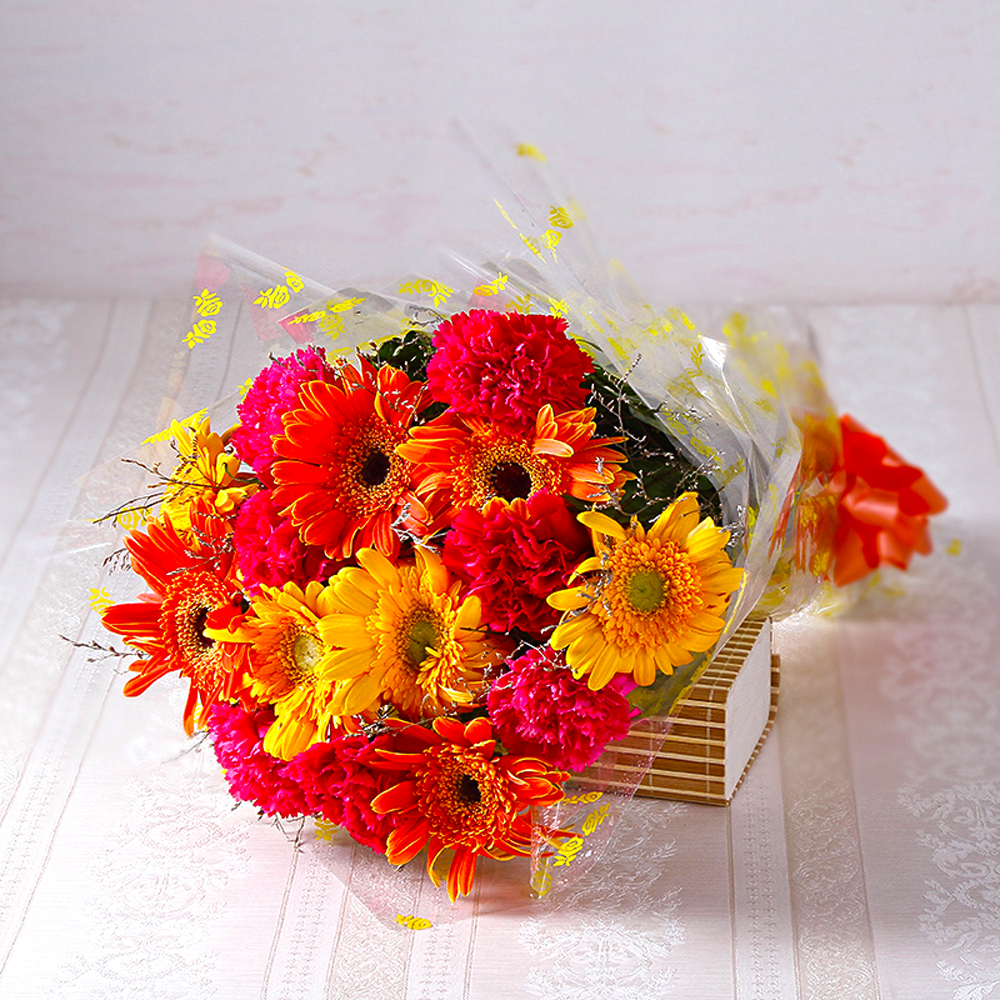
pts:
[422, 555]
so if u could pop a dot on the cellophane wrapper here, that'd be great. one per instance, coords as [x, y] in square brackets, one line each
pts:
[738, 391]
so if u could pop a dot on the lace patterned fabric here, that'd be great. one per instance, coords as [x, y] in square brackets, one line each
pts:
[859, 859]
[158, 888]
[620, 945]
[939, 768]
[921, 673]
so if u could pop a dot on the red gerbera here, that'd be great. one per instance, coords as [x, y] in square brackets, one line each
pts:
[513, 555]
[540, 709]
[457, 795]
[883, 506]
[193, 593]
[504, 367]
[339, 477]
[274, 392]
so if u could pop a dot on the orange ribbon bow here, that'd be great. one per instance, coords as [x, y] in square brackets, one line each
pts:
[883, 506]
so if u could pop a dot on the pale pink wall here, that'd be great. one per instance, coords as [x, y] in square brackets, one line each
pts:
[842, 151]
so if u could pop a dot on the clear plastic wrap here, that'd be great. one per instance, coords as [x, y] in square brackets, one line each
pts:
[737, 392]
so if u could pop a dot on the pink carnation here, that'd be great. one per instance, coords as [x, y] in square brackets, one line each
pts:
[504, 367]
[274, 392]
[253, 774]
[539, 709]
[514, 555]
[268, 548]
[340, 788]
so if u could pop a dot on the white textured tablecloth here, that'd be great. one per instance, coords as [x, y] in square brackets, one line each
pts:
[860, 859]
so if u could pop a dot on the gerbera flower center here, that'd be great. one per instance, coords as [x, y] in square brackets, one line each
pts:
[286, 666]
[307, 651]
[652, 592]
[372, 474]
[420, 635]
[190, 599]
[430, 664]
[375, 469]
[463, 795]
[510, 481]
[502, 466]
[468, 790]
[645, 590]
[198, 628]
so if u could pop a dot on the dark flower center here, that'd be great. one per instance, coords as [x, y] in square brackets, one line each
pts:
[376, 469]
[198, 627]
[510, 481]
[468, 790]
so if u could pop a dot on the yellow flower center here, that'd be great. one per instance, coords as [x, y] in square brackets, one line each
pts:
[306, 652]
[286, 654]
[645, 590]
[426, 661]
[418, 636]
[650, 592]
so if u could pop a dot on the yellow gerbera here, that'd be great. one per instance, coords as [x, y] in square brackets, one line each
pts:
[205, 467]
[405, 636]
[649, 599]
[286, 665]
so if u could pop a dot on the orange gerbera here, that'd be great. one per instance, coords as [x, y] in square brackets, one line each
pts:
[339, 478]
[193, 593]
[473, 461]
[459, 796]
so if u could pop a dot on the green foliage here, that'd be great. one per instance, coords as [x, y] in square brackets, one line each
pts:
[662, 472]
[408, 352]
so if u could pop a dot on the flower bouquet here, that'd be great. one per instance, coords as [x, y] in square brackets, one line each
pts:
[438, 550]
